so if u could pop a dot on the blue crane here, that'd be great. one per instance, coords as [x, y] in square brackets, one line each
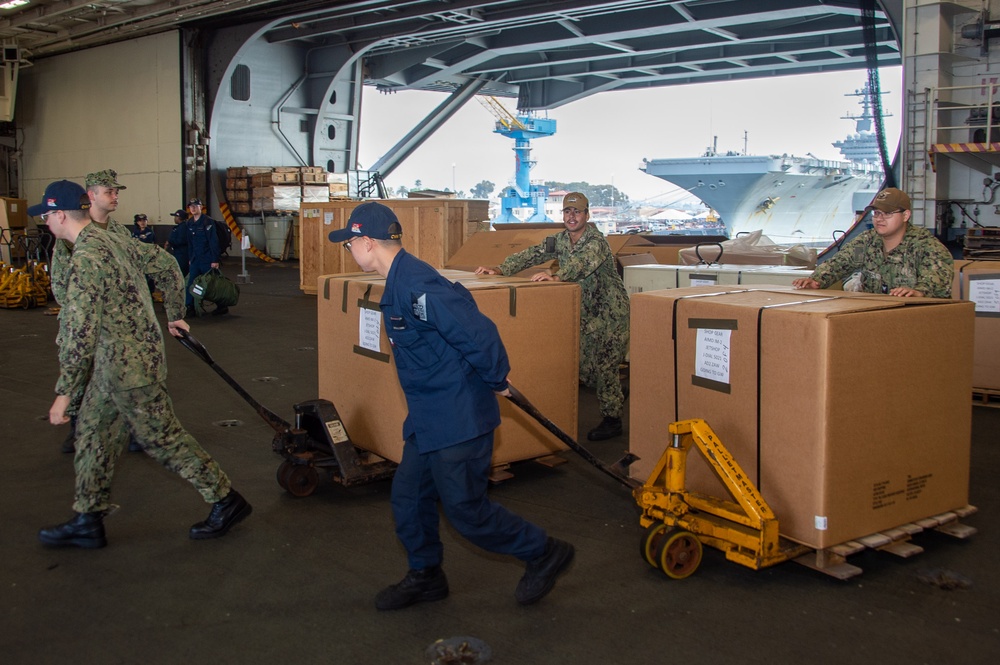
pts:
[522, 194]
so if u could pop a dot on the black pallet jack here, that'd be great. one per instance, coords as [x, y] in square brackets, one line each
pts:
[318, 441]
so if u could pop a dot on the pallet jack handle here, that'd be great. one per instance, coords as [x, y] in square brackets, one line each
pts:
[616, 470]
[191, 343]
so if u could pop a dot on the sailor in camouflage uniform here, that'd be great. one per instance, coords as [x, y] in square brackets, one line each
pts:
[109, 376]
[894, 257]
[585, 257]
[102, 192]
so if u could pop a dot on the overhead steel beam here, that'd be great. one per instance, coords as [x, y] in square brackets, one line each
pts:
[424, 129]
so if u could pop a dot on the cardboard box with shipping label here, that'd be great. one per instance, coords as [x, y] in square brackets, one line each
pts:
[979, 282]
[539, 323]
[850, 412]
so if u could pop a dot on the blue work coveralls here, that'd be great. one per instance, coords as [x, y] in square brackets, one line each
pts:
[179, 246]
[450, 360]
[203, 248]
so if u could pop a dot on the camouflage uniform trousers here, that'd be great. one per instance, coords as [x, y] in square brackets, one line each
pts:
[602, 352]
[103, 423]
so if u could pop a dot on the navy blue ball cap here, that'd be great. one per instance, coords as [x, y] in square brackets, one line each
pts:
[371, 219]
[61, 195]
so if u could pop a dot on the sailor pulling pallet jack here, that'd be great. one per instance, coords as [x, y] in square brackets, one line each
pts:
[450, 360]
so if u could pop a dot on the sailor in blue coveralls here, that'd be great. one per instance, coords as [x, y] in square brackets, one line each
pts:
[450, 361]
[203, 248]
[177, 241]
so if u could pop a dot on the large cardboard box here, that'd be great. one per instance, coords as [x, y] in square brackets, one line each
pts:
[664, 248]
[13, 219]
[538, 321]
[850, 412]
[639, 278]
[979, 281]
[490, 248]
[433, 230]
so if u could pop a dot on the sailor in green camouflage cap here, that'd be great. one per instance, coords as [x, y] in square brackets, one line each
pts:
[112, 371]
[894, 257]
[106, 178]
[102, 190]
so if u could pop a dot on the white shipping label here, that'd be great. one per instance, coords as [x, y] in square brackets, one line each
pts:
[702, 281]
[986, 294]
[369, 329]
[712, 354]
[820, 522]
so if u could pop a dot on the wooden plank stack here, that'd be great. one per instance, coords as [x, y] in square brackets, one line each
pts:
[255, 189]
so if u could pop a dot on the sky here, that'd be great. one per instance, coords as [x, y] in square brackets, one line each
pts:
[602, 139]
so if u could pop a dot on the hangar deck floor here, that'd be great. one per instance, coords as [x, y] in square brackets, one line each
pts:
[296, 581]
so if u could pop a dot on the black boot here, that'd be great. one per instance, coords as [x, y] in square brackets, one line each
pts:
[608, 429]
[540, 574]
[418, 586]
[85, 530]
[225, 514]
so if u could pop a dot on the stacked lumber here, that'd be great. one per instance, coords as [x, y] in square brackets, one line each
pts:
[251, 189]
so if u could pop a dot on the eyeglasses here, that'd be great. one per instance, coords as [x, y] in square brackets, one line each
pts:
[347, 245]
[44, 215]
[878, 214]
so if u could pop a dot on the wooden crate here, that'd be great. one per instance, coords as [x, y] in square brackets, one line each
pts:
[433, 230]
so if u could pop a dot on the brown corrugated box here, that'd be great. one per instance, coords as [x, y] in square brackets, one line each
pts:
[490, 248]
[362, 382]
[850, 412]
[13, 213]
[664, 248]
[433, 230]
[980, 281]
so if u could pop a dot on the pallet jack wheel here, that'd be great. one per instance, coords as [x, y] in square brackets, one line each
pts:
[282, 476]
[301, 480]
[651, 539]
[679, 554]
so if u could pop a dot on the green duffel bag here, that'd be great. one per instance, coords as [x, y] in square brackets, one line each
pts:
[214, 287]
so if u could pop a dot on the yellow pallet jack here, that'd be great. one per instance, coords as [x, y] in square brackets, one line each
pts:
[678, 521]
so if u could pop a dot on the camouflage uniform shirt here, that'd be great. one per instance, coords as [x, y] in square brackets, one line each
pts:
[590, 263]
[919, 262]
[604, 307]
[108, 331]
[62, 251]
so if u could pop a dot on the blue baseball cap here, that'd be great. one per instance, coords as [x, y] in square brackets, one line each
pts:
[61, 195]
[371, 219]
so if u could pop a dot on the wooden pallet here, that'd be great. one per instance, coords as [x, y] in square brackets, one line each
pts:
[833, 560]
[986, 397]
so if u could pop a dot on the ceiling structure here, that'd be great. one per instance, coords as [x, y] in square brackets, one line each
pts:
[549, 52]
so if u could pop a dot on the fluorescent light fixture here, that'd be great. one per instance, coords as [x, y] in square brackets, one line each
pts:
[10, 4]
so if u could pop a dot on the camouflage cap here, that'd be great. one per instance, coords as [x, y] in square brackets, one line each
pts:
[107, 178]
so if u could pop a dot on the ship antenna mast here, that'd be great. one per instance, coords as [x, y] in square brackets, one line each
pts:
[745, 135]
